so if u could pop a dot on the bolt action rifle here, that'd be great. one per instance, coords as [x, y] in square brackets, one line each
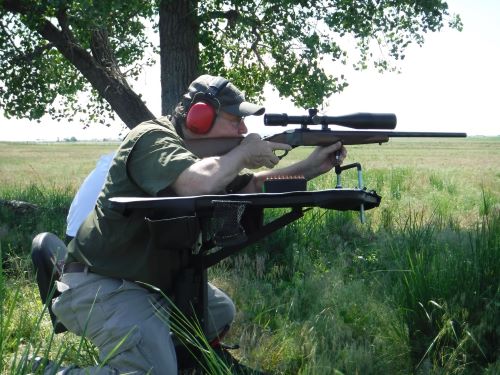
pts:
[305, 136]
[364, 123]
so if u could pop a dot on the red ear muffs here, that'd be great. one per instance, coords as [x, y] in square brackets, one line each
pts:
[200, 117]
[203, 109]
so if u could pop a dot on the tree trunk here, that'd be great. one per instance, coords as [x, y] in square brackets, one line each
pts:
[179, 53]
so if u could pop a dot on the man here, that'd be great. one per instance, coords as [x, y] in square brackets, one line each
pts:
[111, 251]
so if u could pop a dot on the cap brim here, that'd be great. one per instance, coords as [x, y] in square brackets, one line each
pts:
[244, 109]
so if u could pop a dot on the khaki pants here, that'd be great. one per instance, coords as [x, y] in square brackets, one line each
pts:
[120, 318]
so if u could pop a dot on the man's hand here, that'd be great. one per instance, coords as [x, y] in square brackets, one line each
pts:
[324, 158]
[257, 153]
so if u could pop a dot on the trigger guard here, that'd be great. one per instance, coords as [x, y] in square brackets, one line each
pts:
[280, 153]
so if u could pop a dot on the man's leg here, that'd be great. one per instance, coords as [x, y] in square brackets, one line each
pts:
[221, 312]
[120, 318]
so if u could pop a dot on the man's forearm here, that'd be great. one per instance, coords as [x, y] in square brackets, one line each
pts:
[209, 175]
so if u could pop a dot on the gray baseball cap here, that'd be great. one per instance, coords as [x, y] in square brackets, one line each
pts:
[230, 98]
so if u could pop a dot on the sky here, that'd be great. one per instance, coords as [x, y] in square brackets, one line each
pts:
[450, 84]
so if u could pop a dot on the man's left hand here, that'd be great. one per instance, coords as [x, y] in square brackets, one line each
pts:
[324, 158]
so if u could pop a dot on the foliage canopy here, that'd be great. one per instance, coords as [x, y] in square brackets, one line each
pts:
[53, 50]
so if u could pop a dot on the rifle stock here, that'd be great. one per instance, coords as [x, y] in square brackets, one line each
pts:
[205, 147]
[326, 138]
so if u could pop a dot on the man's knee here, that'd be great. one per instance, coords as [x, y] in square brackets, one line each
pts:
[221, 311]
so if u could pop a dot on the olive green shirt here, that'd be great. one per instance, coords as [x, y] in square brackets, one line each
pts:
[114, 244]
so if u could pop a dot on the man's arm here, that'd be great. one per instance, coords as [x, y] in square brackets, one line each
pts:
[320, 161]
[211, 175]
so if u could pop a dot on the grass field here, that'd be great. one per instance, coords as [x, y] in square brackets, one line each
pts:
[49, 164]
[415, 290]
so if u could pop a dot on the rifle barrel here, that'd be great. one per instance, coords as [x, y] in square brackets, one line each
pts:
[426, 135]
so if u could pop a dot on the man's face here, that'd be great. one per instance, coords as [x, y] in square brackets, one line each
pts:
[227, 125]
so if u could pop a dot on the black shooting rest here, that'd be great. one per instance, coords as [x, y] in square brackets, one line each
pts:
[190, 294]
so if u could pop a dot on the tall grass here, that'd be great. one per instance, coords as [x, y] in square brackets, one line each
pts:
[26, 331]
[449, 293]
[423, 299]
[18, 226]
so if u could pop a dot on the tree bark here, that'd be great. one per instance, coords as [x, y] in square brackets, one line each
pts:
[179, 53]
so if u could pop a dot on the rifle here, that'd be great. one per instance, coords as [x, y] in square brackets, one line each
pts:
[305, 136]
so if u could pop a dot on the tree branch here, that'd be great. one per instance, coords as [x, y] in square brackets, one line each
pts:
[111, 86]
[7, 33]
[62, 18]
[99, 45]
[38, 51]
[234, 16]
[103, 53]
[254, 46]
[14, 6]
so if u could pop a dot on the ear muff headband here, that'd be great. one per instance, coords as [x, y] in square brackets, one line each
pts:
[204, 107]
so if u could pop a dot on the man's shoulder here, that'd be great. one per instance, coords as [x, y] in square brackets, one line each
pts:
[160, 124]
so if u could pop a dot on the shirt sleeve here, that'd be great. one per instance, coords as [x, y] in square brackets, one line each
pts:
[156, 161]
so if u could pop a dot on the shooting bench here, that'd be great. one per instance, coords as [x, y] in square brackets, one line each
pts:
[221, 226]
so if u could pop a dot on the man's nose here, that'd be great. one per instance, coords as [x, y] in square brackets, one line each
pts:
[242, 127]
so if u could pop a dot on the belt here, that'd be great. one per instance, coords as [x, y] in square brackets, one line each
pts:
[74, 267]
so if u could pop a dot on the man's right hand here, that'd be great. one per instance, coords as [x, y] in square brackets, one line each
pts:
[257, 153]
